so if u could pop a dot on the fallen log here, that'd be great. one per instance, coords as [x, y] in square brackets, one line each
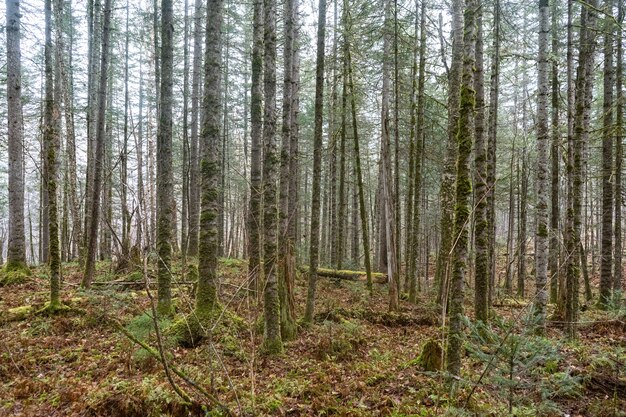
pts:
[346, 274]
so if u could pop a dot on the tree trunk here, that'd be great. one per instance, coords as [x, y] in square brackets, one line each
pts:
[286, 258]
[541, 227]
[51, 138]
[165, 186]
[463, 191]
[210, 138]
[619, 150]
[481, 230]
[554, 250]
[272, 342]
[317, 164]
[90, 261]
[447, 182]
[16, 250]
[606, 264]
[256, 114]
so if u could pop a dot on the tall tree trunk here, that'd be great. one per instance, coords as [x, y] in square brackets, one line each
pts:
[256, 125]
[165, 186]
[272, 342]
[554, 250]
[70, 141]
[184, 220]
[447, 182]
[522, 224]
[541, 227]
[126, 217]
[619, 150]
[90, 261]
[463, 191]
[481, 231]
[210, 138]
[494, 91]
[16, 250]
[51, 138]
[286, 259]
[386, 179]
[584, 76]
[317, 164]
[606, 264]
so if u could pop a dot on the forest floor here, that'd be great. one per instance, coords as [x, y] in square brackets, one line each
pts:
[356, 360]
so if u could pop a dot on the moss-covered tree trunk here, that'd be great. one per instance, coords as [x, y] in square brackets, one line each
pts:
[446, 193]
[481, 228]
[210, 138]
[51, 138]
[554, 249]
[16, 250]
[606, 249]
[463, 187]
[272, 342]
[619, 149]
[584, 75]
[164, 181]
[256, 125]
[317, 164]
[286, 255]
[541, 226]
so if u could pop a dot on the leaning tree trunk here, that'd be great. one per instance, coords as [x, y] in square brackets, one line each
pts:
[16, 250]
[317, 164]
[90, 261]
[541, 227]
[463, 191]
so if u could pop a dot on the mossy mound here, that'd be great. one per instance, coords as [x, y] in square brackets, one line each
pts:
[52, 309]
[17, 313]
[431, 357]
[191, 330]
[14, 273]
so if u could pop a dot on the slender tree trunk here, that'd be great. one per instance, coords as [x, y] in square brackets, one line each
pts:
[606, 264]
[554, 250]
[184, 217]
[16, 249]
[256, 114]
[481, 230]
[317, 164]
[463, 191]
[90, 261]
[165, 186]
[272, 342]
[522, 226]
[583, 77]
[447, 182]
[541, 227]
[494, 91]
[619, 150]
[51, 138]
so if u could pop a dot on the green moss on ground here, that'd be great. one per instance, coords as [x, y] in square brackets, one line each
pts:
[14, 273]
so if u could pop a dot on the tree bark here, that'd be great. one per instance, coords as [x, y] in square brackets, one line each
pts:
[90, 261]
[554, 249]
[619, 150]
[317, 164]
[463, 191]
[16, 249]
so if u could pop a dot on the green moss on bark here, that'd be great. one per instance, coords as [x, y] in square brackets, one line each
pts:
[14, 273]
